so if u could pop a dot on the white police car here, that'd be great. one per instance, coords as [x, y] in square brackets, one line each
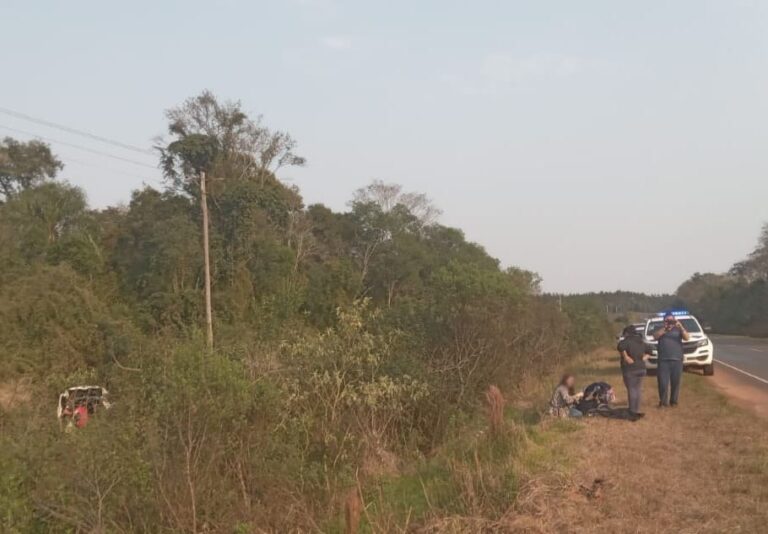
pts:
[698, 351]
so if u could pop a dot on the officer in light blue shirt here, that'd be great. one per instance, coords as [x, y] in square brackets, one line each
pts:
[670, 368]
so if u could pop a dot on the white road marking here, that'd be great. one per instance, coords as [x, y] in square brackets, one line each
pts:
[750, 375]
[756, 350]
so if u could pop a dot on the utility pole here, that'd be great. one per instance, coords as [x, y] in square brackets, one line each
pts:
[207, 261]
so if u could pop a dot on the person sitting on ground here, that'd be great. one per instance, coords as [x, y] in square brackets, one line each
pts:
[564, 398]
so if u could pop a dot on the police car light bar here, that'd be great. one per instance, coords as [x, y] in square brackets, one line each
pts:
[676, 313]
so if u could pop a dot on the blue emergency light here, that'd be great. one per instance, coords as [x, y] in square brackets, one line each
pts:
[675, 313]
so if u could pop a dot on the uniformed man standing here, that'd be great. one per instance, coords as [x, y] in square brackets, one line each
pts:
[670, 367]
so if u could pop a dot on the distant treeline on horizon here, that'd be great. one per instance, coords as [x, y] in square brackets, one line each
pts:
[624, 302]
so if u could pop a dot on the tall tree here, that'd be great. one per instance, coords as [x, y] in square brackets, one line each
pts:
[230, 143]
[38, 218]
[214, 148]
[390, 196]
[755, 267]
[23, 165]
[156, 254]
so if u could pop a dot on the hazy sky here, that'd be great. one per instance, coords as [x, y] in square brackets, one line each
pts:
[603, 144]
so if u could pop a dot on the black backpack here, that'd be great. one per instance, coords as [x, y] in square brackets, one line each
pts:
[597, 396]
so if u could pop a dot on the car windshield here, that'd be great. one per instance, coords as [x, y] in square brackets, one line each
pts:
[689, 323]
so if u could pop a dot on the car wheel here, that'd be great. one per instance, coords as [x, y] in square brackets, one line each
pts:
[709, 370]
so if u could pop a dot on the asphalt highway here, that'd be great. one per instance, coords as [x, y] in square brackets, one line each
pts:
[743, 356]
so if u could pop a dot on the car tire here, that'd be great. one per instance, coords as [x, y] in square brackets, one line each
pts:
[709, 370]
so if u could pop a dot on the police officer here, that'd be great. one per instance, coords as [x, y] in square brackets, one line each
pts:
[670, 370]
[633, 356]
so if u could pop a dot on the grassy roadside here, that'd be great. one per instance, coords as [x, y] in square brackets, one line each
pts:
[472, 484]
[702, 467]
[476, 479]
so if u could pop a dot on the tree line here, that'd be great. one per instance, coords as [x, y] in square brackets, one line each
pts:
[624, 305]
[346, 344]
[735, 302]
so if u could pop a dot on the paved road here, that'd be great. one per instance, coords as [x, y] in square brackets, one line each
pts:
[748, 357]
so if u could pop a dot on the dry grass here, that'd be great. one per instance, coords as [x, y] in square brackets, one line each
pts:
[13, 393]
[702, 467]
[353, 506]
[496, 402]
[699, 468]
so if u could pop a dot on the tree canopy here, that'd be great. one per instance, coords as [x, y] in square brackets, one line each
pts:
[735, 302]
[23, 165]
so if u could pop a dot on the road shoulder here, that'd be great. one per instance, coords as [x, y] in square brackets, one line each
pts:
[701, 467]
[742, 390]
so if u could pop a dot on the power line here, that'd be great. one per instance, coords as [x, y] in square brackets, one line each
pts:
[80, 147]
[124, 173]
[75, 131]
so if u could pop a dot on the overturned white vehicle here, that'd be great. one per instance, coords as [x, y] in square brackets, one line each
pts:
[78, 403]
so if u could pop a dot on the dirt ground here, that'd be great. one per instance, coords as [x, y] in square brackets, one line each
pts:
[12, 393]
[701, 467]
[742, 390]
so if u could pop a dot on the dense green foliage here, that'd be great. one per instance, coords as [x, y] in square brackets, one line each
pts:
[346, 343]
[23, 165]
[736, 302]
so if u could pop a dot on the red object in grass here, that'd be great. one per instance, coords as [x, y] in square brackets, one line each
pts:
[81, 416]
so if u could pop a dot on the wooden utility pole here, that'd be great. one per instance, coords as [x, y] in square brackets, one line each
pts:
[207, 261]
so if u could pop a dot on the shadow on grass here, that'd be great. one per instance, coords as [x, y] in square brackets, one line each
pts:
[528, 416]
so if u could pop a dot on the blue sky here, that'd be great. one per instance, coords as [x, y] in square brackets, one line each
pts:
[606, 145]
